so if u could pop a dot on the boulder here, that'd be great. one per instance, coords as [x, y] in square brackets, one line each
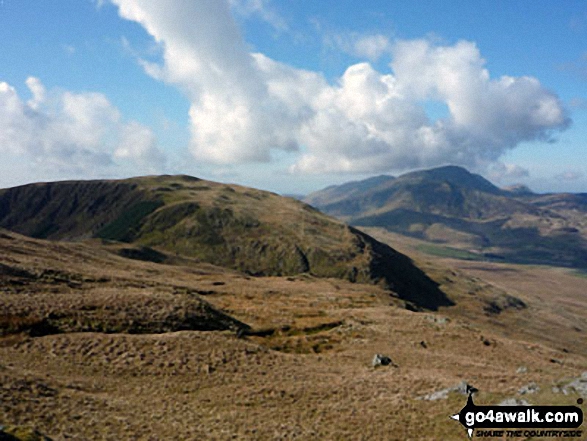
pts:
[381, 360]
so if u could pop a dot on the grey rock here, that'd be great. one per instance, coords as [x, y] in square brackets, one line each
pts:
[437, 319]
[578, 385]
[381, 360]
[559, 390]
[522, 370]
[531, 388]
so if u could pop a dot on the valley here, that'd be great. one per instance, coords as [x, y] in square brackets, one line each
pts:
[464, 214]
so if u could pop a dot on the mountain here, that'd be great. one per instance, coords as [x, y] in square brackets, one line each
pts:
[335, 193]
[170, 218]
[451, 206]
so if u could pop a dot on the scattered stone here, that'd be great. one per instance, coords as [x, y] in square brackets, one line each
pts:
[381, 360]
[556, 361]
[578, 385]
[558, 390]
[522, 370]
[462, 388]
[514, 402]
[502, 303]
[423, 344]
[531, 388]
[437, 319]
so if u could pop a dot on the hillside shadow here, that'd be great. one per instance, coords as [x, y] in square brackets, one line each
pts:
[399, 274]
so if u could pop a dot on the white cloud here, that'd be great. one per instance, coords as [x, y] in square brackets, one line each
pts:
[372, 47]
[233, 117]
[80, 133]
[500, 171]
[364, 46]
[262, 9]
[244, 106]
[376, 122]
[139, 144]
[37, 90]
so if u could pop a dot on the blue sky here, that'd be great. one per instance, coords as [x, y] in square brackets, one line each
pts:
[293, 95]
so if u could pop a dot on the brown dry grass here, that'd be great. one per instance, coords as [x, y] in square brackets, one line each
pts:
[303, 372]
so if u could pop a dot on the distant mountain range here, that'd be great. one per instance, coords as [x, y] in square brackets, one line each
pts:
[166, 218]
[452, 207]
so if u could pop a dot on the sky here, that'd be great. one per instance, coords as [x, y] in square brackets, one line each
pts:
[293, 95]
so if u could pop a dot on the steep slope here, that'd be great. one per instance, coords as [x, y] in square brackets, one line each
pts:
[71, 210]
[252, 231]
[449, 205]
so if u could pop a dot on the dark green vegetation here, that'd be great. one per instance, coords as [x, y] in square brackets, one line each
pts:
[474, 218]
[124, 227]
[175, 217]
[69, 210]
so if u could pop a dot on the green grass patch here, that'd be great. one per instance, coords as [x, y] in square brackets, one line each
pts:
[580, 273]
[453, 253]
[123, 228]
[46, 228]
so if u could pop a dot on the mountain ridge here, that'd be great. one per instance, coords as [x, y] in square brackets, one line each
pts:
[451, 206]
[244, 229]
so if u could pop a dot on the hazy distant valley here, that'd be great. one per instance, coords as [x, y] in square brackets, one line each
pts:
[465, 216]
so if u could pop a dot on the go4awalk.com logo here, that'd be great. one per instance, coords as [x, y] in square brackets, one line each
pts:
[514, 421]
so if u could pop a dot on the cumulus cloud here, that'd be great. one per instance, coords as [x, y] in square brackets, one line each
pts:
[37, 90]
[138, 144]
[500, 171]
[69, 131]
[372, 47]
[233, 117]
[245, 106]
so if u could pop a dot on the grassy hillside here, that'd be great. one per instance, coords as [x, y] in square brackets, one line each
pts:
[256, 232]
[95, 346]
[69, 210]
[49, 287]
